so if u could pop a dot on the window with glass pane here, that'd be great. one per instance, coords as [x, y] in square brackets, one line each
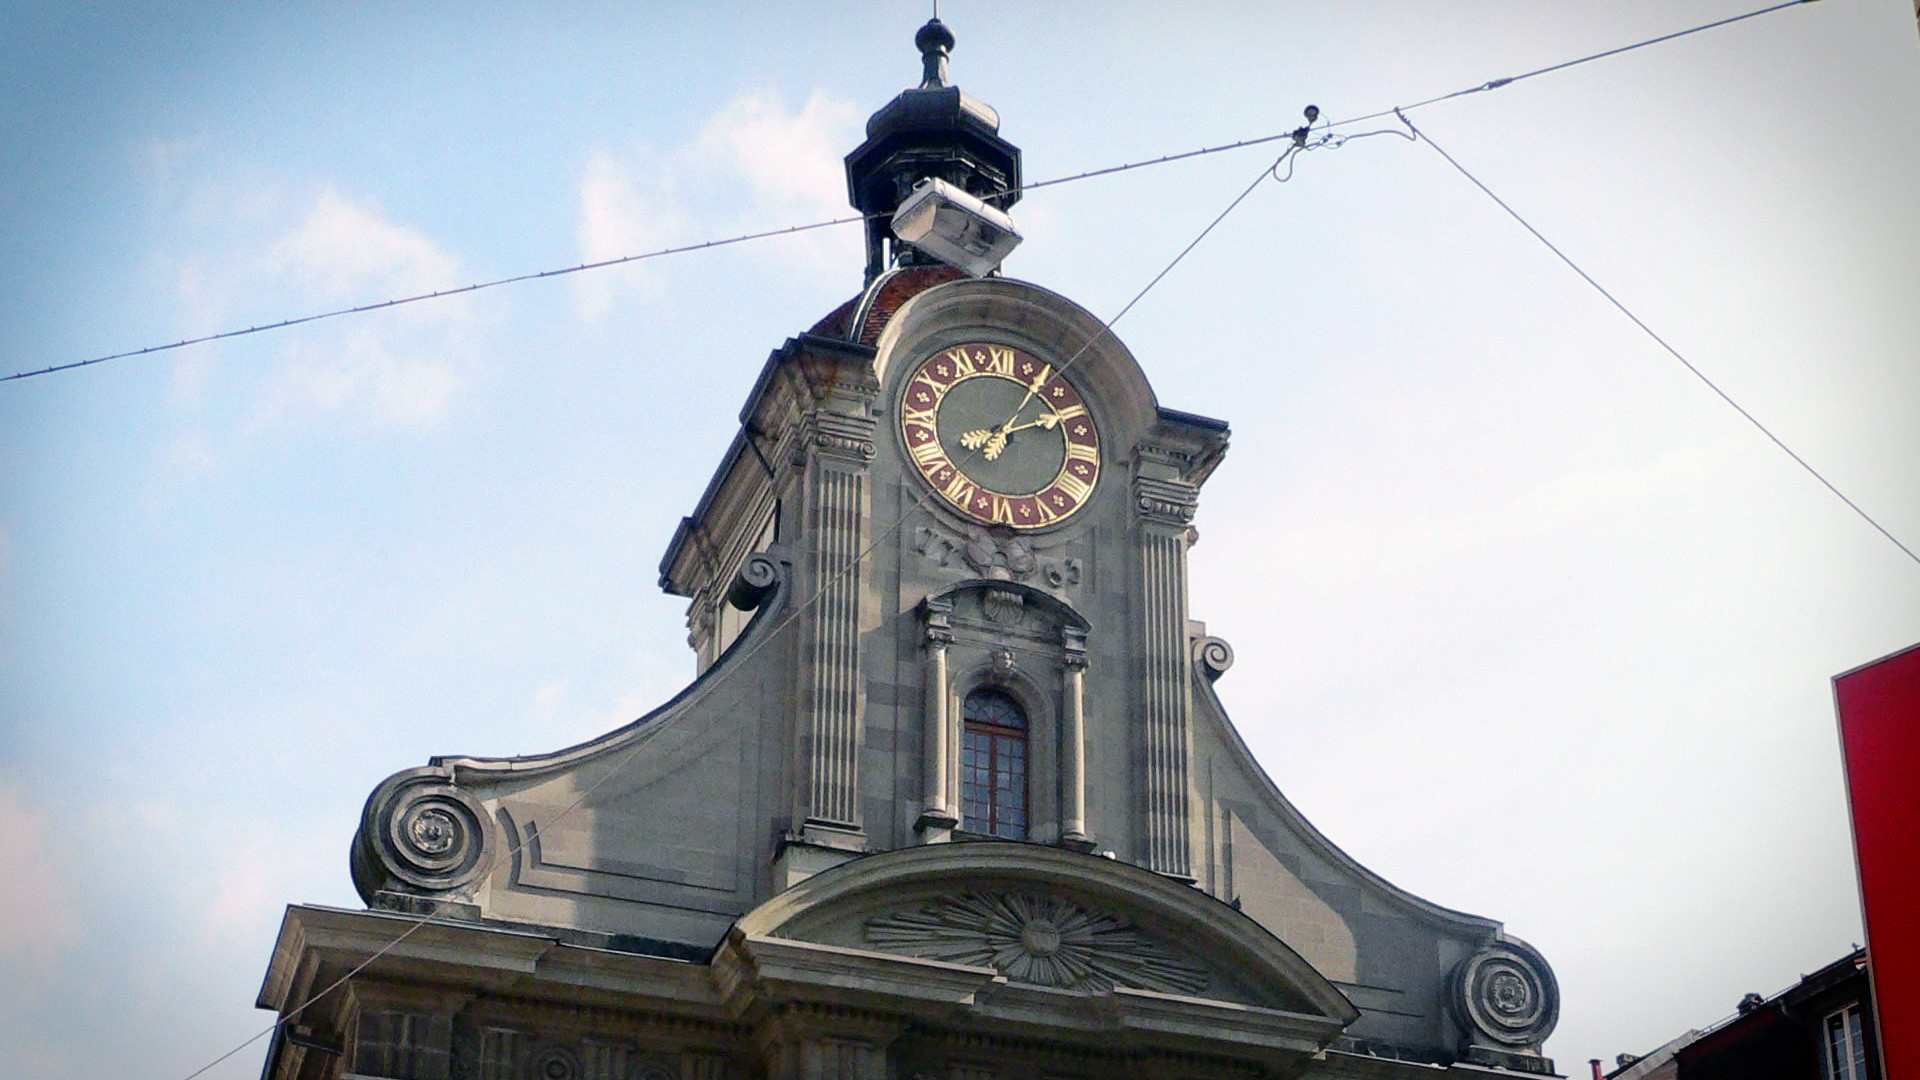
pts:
[993, 765]
[1846, 1056]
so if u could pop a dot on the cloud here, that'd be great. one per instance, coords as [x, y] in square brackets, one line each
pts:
[616, 220]
[159, 160]
[548, 699]
[754, 165]
[279, 254]
[344, 252]
[791, 160]
[36, 919]
[375, 374]
[253, 874]
[394, 369]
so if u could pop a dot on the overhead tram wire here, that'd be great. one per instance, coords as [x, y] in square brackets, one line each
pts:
[1422, 136]
[1493, 84]
[920, 503]
[439, 294]
[1496, 84]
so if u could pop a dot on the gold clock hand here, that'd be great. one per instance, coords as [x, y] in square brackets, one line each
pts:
[995, 442]
[1039, 379]
[1046, 420]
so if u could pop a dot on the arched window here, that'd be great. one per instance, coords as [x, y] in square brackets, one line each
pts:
[993, 765]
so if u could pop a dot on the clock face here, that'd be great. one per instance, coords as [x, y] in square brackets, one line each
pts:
[1000, 435]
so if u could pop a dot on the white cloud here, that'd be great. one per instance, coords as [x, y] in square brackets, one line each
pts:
[347, 253]
[755, 165]
[159, 160]
[547, 700]
[273, 254]
[253, 874]
[393, 379]
[393, 368]
[615, 220]
[37, 920]
[791, 160]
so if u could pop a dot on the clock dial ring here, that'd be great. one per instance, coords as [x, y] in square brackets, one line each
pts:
[1000, 436]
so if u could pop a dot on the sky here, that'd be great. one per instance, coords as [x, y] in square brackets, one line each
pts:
[1527, 620]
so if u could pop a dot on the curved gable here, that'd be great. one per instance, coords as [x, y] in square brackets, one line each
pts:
[1045, 917]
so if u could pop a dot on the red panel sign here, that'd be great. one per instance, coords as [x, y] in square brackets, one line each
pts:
[1879, 707]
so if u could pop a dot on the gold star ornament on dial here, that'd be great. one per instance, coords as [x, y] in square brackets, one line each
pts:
[1000, 435]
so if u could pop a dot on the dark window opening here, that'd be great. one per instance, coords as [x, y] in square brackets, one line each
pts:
[993, 765]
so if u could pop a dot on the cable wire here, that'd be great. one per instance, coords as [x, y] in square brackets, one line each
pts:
[1496, 84]
[1493, 84]
[1657, 339]
[427, 917]
[437, 294]
[736, 664]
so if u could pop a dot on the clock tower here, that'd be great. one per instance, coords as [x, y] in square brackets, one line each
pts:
[952, 793]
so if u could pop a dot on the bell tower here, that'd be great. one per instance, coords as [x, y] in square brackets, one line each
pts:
[951, 792]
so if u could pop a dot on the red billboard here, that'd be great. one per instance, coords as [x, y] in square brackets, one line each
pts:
[1879, 709]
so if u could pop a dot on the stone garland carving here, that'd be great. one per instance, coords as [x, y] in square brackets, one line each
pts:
[1212, 657]
[428, 833]
[1046, 941]
[989, 554]
[1506, 993]
[1064, 573]
[997, 554]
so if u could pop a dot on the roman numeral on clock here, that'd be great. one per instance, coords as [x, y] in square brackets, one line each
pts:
[928, 455]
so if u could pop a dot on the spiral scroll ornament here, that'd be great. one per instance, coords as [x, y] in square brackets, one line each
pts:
[759, 577]
[1507, 994]
[1212, 657]
[427, 833]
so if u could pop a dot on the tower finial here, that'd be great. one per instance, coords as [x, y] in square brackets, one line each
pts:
[934, 41]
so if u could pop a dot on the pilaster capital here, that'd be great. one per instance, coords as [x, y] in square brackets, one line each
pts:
[936, 618]
[1073, 648]
[838, 436]
[1164, 502]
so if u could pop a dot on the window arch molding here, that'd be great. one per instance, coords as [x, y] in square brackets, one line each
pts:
[1031, 645]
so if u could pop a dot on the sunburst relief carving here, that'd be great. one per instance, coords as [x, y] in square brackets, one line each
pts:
[1043, 940]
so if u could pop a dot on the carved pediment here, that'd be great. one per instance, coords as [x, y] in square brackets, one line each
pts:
[1038, 939]
[1044, 920]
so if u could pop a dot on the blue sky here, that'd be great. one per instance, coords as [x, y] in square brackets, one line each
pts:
[1526, 619]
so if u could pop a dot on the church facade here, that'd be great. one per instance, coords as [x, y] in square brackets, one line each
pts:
[952, 794]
